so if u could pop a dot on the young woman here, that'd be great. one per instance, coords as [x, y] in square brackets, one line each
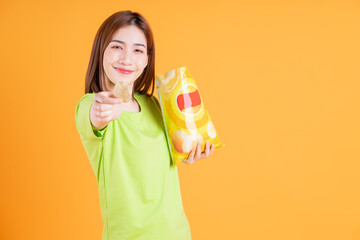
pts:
[126, 144]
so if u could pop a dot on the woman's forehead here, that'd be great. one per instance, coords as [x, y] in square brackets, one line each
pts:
[129, 35]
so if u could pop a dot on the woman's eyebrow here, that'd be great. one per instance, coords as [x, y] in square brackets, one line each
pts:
[137, 44]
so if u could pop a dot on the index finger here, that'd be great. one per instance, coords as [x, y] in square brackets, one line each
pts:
[107, 97]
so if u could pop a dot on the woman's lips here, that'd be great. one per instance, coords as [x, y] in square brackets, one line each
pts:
[124, 71]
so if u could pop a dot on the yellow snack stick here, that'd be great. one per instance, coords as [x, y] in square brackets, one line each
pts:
[121, 91]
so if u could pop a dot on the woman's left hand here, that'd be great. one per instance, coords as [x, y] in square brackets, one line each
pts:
[199, 155]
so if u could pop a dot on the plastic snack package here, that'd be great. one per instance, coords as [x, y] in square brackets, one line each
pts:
[185, 117]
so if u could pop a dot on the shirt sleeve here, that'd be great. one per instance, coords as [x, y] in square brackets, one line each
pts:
[82, 119]
[91, 138]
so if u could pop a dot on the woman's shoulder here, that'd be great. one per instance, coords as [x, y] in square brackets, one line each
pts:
[87, 97]
[151, 100]
[85, 101]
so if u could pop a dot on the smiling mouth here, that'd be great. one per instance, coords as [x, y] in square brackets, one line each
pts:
[123, 71]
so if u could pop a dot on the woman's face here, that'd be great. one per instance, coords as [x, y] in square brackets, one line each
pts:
[126, 56]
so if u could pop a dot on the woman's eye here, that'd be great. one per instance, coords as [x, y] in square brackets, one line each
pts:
[117, 47]
[139, 51]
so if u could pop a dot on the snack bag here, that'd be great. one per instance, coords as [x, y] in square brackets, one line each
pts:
[185, 117]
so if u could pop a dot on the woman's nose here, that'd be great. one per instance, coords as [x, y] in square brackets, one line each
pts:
[125, 58]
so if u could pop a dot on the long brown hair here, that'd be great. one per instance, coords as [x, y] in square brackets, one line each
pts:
[95, 80]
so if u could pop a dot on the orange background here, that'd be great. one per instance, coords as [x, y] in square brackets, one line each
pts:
[279, 79]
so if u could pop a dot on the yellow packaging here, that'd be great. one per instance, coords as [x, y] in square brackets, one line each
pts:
[185, 117]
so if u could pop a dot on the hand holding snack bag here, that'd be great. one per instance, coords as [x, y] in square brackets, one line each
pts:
[186, 120]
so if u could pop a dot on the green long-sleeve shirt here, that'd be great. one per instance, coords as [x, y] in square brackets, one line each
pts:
[138, 185]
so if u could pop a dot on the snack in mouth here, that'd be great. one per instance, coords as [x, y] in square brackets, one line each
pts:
[121, 91]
